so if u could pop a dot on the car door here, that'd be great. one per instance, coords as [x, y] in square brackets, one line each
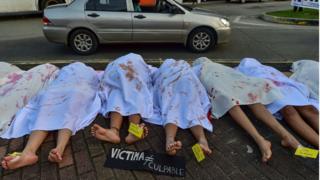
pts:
[110, 19]
[153, 25]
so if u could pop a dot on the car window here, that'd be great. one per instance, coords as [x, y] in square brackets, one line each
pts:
[155, 6]
[184, 6]
[106, 5]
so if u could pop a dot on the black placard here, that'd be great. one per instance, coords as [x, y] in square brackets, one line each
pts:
[145, 160]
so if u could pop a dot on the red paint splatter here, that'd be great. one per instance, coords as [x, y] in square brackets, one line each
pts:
[277, 83]
[209, 116]
[267, 87]
[14, 77]
[29, 77]
[253, 97]
[130, 73]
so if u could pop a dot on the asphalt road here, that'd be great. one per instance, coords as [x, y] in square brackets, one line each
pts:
[22, 39]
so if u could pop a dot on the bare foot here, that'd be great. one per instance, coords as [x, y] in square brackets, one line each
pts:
[26, 159]
[205, 147]
[290, 142]
[130, 139]
[265, 148]
[55, 155]
[173, 147]
[109, 135]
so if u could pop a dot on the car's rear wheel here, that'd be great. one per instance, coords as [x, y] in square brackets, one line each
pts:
[201, 40]
[83, 42]
[45, 3]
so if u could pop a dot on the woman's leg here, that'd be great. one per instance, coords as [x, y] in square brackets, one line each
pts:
[112, 134]
[265, 116]
[240, 117]
[198, 133]
[56, 154]
[28, 156]
[310, 114]
[292, 117]
[171, 144]
[135, 119]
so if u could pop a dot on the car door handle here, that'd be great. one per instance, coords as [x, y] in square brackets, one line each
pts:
[140, 16]
[94, 15]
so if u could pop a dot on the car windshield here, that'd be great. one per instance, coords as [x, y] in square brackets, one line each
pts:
[184, 6]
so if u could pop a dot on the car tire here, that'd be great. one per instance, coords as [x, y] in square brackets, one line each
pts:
[83, 42]
[45, 3]
[201, 40]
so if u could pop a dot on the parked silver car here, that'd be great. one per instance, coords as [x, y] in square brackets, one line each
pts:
[84, 24]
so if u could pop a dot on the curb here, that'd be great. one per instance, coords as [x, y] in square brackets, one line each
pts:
[286, 20]
[283, 66]
[19, 15]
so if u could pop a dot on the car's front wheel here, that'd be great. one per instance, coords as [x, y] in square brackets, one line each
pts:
[83, 42]
[201, 40]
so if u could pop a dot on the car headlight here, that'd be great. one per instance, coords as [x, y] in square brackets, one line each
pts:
[224, 22]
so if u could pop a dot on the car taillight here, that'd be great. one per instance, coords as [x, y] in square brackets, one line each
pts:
[46, 21]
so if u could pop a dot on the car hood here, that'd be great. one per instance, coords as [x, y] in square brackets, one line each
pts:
[207, 13]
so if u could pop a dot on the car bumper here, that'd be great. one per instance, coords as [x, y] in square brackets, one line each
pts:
[223, 34]
[56, 34]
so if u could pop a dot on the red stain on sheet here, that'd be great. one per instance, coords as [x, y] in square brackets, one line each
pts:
[253, 97]
[130, 73]
[29, 77]
[267, 87]
[277, 83]
[14, 77]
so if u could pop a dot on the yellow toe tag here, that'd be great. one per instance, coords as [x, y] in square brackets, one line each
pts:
[306, 152]
[136, 130]
[198, 153]
[15, 154]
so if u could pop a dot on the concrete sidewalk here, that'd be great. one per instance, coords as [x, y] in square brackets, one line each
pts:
[100, 64]
[235, 156]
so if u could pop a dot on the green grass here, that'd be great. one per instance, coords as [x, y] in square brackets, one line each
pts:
[305, 14]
